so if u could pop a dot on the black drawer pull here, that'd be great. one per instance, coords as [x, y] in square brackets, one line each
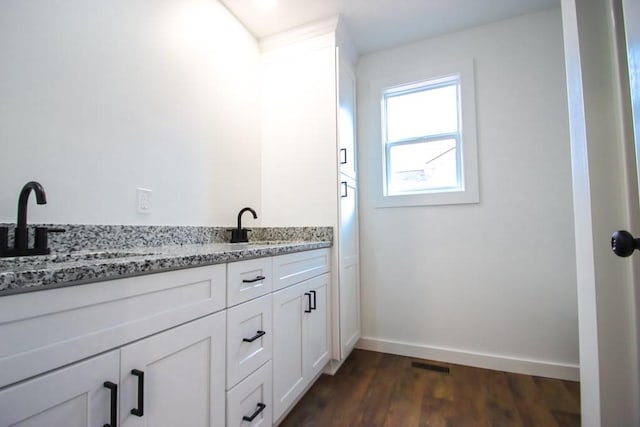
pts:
[255, 337]
[114, 403]
[343, 156]
[309, 301]
[345, 190]
[253, 416]
[257, 279]
[313, 307]
[139, 411]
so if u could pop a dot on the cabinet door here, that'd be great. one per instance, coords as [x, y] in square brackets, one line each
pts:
[299, 133]
[74, 396]
[288, 368]
[184, 376]
[346, 115]
[315, 345]
[349, 269]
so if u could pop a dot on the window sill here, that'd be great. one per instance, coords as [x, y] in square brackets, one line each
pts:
[470, 196]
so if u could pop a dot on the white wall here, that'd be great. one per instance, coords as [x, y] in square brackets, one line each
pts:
[494, 283]
[98, 98]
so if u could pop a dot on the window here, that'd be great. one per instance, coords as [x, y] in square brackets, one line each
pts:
[428, 140]
[422, 136]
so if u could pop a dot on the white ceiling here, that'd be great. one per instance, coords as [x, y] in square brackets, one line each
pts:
[379, 24]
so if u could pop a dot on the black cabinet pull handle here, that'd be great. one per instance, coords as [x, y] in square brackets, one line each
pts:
[253, 416]
[255, 337]
[343, 156]
[344, 193]
[309, 301]
[114, 403]
[313, 307]
[257, 279]
[139, 411]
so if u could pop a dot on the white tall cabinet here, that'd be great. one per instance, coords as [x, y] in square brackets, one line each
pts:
[309, 154]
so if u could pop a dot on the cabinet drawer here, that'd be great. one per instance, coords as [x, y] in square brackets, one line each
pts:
[252, 397]
[80, 321]
[248, 279]
[296, 267]
[249, 338]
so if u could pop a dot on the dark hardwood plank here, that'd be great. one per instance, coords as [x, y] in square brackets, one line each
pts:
[573, 388]
[375, 404]
[531, 405]
[565, 419]
[468, 397]
[352, 387]
[437, 412]
[406, 400]
[555, 394]
[375, 389]
[498, 400]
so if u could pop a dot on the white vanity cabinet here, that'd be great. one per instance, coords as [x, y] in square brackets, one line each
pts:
[200, 347]
[301, 326]
[160, 325]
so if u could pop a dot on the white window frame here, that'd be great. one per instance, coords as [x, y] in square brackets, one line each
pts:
[467, 153]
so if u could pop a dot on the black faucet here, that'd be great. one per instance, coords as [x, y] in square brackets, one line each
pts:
[21, 240]
[239, 235]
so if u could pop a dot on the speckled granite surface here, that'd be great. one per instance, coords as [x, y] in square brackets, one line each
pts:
[110, 252]
[101, 237]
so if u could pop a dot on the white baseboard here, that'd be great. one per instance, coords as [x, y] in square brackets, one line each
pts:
[478, 360]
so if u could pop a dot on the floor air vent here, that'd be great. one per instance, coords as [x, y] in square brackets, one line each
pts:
[430, 367]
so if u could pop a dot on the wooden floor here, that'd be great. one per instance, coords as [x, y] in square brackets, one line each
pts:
[377, 389]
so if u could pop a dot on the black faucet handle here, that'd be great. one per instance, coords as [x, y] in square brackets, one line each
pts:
[4, 238]
[239, 235]
[42, 239]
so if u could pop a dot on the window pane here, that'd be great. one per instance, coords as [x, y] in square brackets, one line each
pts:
[422, 166]
[422, 113]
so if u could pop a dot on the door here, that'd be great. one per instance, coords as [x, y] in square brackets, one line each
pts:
[346, 88]
[289, 306]
[605, 198]
[349, 274]
[74, 396]
[315, 333]
[179, 374]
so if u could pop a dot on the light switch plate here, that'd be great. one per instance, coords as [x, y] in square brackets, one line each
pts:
[143, 200]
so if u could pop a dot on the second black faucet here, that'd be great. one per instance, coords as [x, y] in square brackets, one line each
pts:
[240, 235]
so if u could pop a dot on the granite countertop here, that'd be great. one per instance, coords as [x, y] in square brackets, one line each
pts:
[22, 274]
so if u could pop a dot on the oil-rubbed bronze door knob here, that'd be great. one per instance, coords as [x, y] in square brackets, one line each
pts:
[623, 243]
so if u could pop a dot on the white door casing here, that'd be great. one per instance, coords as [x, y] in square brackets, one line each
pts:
[631, 11]
[605, 199]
